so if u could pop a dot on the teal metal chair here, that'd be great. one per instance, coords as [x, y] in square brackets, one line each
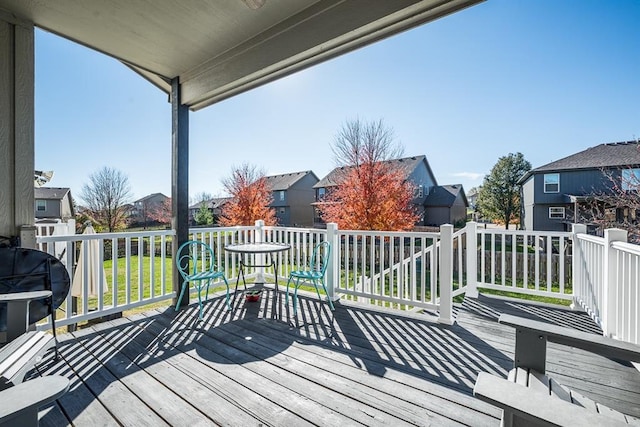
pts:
[314, 274]
[196, 263]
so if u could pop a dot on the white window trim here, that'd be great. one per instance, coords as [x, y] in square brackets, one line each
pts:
[282, 196]
[41, 204]
[559, 209]
[631, 182]
[544, 184]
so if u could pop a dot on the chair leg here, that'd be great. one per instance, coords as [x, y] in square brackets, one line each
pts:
[327, 294]
[315, 285]
[286, 299]
[200, 316]
[227, 299]
[295, 297]
[185, 285]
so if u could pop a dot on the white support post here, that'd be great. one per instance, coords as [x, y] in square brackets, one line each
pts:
[610, 290]
[333, 268]
[576, 263]
[258, 237]
[446, 274]
[472, 260]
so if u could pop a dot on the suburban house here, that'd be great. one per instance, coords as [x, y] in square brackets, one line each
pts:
[446, 204]
[416, 169]
[150, 210]
[559, 193]
[293, 193]
[214, 206]
[53, 203]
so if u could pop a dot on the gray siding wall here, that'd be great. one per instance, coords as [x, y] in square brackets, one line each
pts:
[579, 182]
[437, 215]
[16, 125]
[52, 209]
[300, 197]
[421, 176]
[527, 201]
[536, 202]
[458, 211]
[66, 207]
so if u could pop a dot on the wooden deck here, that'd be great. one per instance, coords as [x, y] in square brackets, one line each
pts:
[357, 366]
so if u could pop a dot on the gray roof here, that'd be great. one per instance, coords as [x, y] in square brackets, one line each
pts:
[212, 204]
[611, 155]
[407, 165]
[50, 193]
[150, 196]
[286, 180]
[445, 195]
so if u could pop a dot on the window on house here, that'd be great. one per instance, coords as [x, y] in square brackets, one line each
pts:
[630, 179]
[420, 191]
[321, 192]
[282, 210]
[41, 205]
[551, 182]
[282, 196]
[556, 213]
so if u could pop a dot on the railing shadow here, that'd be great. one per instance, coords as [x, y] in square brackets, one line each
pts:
[264, 341]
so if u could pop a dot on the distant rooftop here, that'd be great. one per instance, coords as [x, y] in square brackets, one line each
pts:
[407, 165]
[286, 180]
[610, 155]
[444, 195]
[51, 193]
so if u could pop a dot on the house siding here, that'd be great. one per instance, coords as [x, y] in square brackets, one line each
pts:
[536, 202]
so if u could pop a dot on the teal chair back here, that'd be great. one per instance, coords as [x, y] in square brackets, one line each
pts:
[196, 263]
[314, 274]
[320, 258]
[195, 257]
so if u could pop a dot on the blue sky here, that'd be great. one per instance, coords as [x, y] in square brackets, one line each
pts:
[547, 78]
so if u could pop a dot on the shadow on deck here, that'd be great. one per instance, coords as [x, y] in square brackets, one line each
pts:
[257, 365]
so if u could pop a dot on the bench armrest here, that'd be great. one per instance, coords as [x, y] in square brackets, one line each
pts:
[532, 335]
[19, 405]
[535, 406]
[18, 311]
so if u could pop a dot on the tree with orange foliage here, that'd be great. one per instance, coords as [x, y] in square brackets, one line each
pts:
[250, 198]
[372, 194]
[161, 213]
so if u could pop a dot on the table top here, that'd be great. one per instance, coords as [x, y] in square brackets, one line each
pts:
[257, 248]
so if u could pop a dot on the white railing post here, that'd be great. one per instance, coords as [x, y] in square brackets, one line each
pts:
[472, 260]
[610, 290]
[576, 264]
[446, 274]
[333, 268]
[258, 237]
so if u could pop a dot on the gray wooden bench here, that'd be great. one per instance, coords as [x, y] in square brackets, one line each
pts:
[22, 355]
[529, 397]
[19, 405]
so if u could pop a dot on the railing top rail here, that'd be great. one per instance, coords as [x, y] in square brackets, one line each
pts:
[295, 229]
[525, 232]
[626, 247]
[429, 234]
[222, 229]
[103, 236]
[590, 238]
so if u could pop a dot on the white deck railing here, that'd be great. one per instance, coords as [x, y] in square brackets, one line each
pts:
[403, 270]
[525, 262]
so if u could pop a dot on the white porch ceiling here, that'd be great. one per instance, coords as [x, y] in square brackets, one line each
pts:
[219, 48]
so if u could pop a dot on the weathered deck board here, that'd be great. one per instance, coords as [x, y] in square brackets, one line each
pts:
[355, 366]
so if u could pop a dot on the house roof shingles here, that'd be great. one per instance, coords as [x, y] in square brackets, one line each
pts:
[51, 193]
[286, 180]
[212, 204]
[443, 195]
[610, 155]
[406, 164]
